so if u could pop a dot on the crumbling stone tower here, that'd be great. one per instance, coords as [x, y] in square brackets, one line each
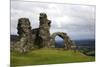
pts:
[44, 28]
[24, 32]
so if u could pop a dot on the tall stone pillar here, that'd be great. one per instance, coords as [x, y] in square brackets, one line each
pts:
[44, 29]
[25, 35]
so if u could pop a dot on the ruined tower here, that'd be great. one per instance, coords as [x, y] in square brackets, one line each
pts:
[44, 28]
[25, 35]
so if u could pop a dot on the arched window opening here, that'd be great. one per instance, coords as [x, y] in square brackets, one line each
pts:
[59, 42]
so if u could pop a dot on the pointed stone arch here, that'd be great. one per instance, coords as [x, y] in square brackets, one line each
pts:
[67, 41]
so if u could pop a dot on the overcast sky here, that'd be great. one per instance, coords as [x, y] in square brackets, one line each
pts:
[78, 21]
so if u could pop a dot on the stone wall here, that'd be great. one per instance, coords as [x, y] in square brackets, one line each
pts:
[38, 37]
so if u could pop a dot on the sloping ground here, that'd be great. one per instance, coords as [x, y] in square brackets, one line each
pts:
[48, 56]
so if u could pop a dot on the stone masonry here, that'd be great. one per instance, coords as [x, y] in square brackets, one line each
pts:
[38, 37]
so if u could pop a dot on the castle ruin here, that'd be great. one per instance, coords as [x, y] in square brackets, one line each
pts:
[39, 37]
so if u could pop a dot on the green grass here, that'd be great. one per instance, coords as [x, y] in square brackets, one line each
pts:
[48, 56]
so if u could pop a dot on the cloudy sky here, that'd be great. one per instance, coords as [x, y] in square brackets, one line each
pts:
[78, 21]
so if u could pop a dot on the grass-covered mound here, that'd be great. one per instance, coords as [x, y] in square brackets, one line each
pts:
[48, 56]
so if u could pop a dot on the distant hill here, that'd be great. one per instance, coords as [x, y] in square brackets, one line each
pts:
[81, 43]
[85, 42]
[59, 44]
[85, 46]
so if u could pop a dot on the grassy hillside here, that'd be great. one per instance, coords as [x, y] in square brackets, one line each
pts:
[48, 56]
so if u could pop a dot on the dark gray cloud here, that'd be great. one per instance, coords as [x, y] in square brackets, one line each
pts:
[78, 21]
